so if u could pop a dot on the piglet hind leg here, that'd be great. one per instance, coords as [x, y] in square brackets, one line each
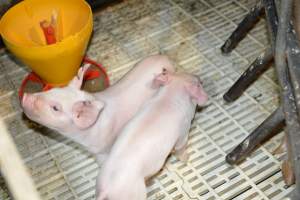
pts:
[141, 192]
[132, 190]
[180, 149]
[100, 158]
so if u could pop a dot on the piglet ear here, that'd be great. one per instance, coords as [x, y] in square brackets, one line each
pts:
[161, 79]
[197, 93]
[86, 113]
[76, 82]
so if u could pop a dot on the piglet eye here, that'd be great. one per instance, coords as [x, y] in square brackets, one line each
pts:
[55, 108]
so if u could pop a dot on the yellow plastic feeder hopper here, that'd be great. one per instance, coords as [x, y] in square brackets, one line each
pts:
[56, 63]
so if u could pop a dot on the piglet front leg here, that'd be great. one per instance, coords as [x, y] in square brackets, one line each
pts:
[180, 149]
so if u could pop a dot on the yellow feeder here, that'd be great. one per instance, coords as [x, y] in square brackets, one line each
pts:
[57, 63]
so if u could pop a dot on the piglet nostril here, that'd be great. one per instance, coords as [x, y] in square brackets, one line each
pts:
[85, 103]
[27, 99]
[164, 71]
[30, 101]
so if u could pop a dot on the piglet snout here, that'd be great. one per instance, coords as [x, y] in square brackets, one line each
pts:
[86, 103]
[28, 101]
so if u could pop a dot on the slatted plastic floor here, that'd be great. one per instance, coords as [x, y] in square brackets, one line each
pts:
[190, 32]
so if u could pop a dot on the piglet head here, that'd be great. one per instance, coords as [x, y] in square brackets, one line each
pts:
[196, 91]
[161, 79]
[63, 109]
[191, 84]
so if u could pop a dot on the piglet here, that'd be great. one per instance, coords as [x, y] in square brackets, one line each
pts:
[94, 120]
[162, 125]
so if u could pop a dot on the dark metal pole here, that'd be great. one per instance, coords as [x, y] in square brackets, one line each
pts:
[263, 131]
[259, 66]
[293, 55]
[272, 19]
[241, 31]
[288, 100]
[261, 63]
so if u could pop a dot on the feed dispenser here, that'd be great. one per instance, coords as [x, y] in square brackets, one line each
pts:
[50, 37]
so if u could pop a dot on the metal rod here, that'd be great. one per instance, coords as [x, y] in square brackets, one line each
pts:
[293, 56]
[272, 19]
[242, 29]
[263, 131]
[261, 63]
[287, 96]
[259, 66]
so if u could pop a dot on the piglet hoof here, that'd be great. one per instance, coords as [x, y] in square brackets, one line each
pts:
[287, 173]
[182, 156]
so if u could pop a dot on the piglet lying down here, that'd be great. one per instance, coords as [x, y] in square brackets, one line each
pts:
[94, 120]
[161, 125]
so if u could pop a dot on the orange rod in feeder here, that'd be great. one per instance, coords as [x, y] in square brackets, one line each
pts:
[49, 29]
[49, 32]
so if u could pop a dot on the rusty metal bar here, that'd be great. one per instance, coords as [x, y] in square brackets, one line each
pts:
[285, 46]
[242, 29]
[267, 129]
[287, 97]
[261, 63]
[272, 19]
[293, 56]
[259, 66]
[243, 150]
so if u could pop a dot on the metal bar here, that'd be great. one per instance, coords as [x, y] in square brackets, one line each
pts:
[261, 63]
[272, 19]
[265, 130]
[241, 31]
[287, 96]
[259, 66]
[293, 56]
